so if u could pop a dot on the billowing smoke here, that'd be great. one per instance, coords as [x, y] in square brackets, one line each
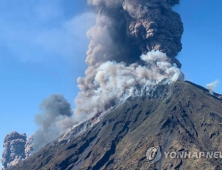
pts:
[14, 149]
[54, 120]
[114, 82]
[29, 146]
[212, 86]
[126, 28]
[132, 49]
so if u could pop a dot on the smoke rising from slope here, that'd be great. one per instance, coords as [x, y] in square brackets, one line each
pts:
[114, 82]
[125, 30]
[54, 120]
[14, 149]
[212, 86]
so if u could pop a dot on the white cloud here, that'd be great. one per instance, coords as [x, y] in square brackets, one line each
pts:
[34, 31]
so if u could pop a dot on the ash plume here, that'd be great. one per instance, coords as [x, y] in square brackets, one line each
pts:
[127, 33]
[14, 149]
[126, 28]
[54, 120]
[212, 86]
[29, 146]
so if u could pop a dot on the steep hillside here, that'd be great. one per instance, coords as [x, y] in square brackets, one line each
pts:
[186, 118]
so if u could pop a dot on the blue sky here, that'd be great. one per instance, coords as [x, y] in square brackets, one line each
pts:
[202, 41]
[43, 45]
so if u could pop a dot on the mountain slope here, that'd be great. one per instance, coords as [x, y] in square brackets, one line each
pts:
[187, 117]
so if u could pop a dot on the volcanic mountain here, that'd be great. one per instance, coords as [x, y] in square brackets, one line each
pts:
[180, 117]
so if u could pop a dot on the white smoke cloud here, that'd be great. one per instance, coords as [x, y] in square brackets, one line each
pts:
[115, 82]
[212, 86]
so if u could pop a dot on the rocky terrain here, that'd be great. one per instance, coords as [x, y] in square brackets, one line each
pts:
[186, 118]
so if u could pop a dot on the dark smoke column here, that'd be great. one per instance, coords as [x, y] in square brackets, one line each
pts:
[127, 28]
[14, 149]
[154, 26]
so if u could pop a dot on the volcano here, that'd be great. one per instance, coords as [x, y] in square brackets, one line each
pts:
[185, 117]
